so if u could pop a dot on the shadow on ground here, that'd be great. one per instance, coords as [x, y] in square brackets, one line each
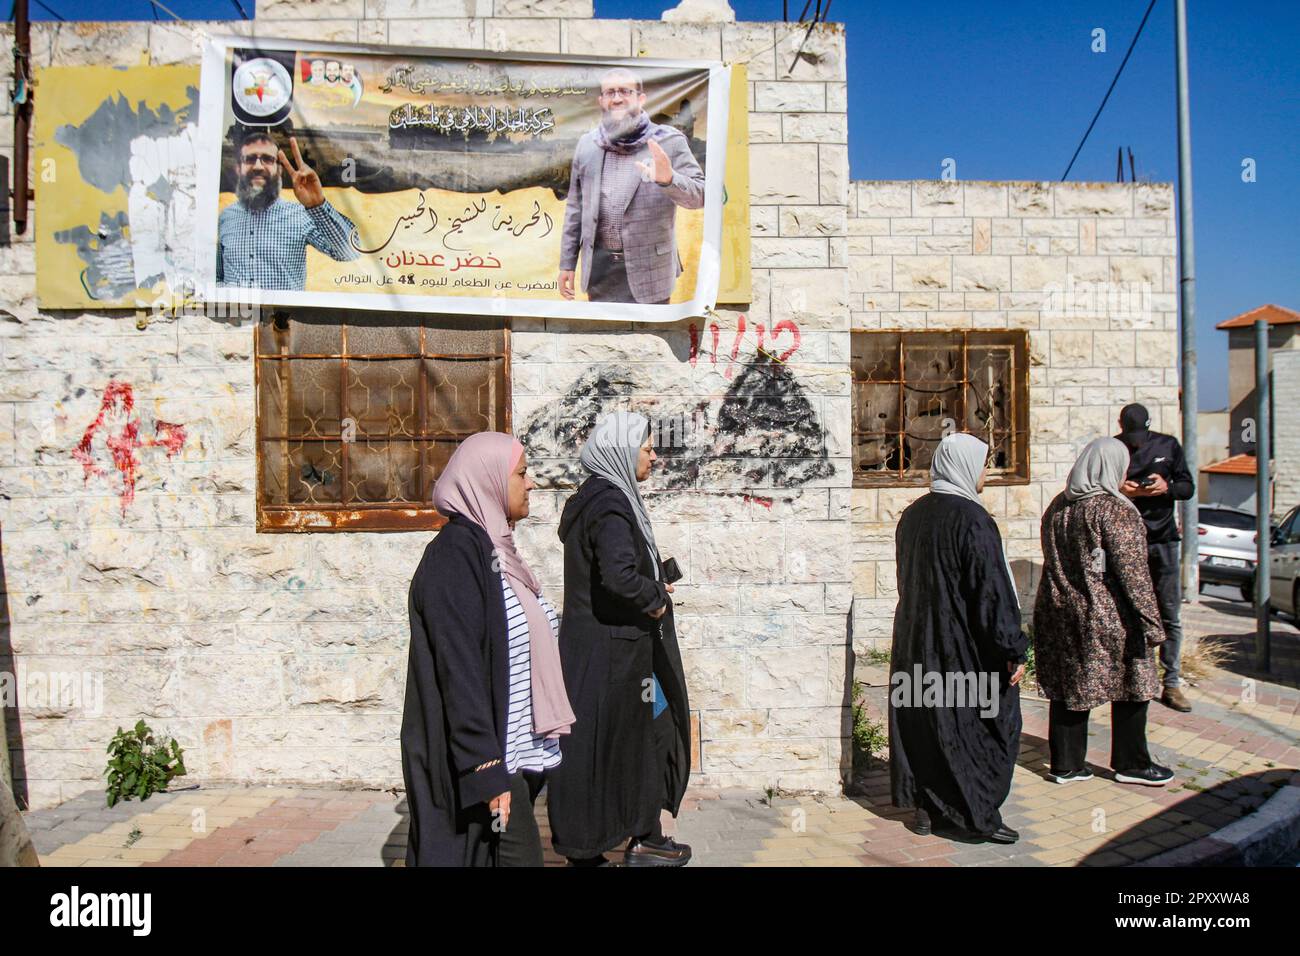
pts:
[1239, 642]
[394, 851]
[1209, 809]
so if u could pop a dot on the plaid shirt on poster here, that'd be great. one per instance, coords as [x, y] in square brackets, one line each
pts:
[267, 249]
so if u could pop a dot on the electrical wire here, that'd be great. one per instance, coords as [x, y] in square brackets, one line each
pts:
[1097, 115]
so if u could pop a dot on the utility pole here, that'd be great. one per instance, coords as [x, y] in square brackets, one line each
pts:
[1186, 296]
[1263, 498]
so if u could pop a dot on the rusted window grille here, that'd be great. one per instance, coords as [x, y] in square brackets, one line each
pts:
[358, 412]
[912, 388]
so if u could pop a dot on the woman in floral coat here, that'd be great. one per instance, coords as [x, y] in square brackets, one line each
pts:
[1096, 622]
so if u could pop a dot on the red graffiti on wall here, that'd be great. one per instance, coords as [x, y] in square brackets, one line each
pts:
[778, 330]
[118, 406]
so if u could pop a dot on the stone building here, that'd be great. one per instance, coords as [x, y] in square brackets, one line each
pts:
[1082, 274]
[1231, 480]
[1030, 311]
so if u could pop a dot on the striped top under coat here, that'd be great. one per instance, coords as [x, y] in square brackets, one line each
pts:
[524, 749]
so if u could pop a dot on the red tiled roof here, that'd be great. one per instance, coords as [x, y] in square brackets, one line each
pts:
[1273, 314]
[1236, 465]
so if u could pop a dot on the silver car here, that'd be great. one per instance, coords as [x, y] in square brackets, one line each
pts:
[1226, 546]
[1284, 565]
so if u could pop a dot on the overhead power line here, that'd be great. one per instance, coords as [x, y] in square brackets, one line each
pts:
[1097, 115]
[48, 9]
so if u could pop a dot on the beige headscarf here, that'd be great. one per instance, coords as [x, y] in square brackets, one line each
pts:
[611, 452]
[1099, 470]
[955, 469]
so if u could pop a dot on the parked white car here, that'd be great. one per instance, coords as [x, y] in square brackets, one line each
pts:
[1284, 565]
[1226, 548]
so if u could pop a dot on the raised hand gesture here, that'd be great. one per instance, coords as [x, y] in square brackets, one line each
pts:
[662, 170]
[306, 184]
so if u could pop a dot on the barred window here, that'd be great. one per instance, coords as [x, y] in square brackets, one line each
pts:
[910, 389]
[358, 413]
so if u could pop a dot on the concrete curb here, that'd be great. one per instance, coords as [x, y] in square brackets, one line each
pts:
[1254, 840]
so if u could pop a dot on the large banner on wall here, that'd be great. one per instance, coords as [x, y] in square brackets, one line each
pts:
[450, 181]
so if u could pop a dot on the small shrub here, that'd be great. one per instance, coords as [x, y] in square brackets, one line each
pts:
[1029, 683]
[139, 766]
[869, 736]
[876, 657]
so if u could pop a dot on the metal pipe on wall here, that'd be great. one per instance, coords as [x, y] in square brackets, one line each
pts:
[22, 112]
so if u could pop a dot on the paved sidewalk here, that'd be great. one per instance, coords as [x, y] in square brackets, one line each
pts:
[1238, 746]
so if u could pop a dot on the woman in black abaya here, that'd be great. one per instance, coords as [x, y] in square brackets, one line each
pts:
[958, 617]
[628, 757]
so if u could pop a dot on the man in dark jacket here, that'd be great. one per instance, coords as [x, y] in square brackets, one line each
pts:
[1157, 477]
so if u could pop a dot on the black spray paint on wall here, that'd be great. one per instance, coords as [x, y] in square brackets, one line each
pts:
[762, 433]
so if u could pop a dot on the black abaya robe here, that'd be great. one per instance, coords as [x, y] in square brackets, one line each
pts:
[457, 692]
[621, 764]
[956, 613]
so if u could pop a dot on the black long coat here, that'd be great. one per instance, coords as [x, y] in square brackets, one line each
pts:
[457, 692]
[621, 766]
[956, 615]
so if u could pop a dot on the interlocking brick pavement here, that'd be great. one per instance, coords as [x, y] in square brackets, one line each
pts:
[1230, 754]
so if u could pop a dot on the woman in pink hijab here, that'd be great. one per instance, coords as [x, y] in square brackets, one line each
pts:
[485, 698]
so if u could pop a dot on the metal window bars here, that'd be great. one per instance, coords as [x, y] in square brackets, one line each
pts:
[910, 389]
[358, 412]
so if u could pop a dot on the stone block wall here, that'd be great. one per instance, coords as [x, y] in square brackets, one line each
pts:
[1087, 268]
[281, 657]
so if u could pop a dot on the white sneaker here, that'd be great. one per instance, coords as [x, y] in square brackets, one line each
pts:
[1074, 776]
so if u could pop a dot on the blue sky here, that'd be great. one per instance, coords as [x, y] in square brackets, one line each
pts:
[1007, 89]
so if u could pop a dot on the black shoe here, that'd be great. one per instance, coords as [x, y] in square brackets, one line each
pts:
[1152, 776]
[668, 853]
[1074, 776]
[921, 823]
[1003, 834]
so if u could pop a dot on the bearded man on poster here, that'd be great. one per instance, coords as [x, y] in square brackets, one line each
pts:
[262, 239]
[629, 175]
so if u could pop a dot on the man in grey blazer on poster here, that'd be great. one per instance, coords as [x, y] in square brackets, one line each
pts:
[629, 176]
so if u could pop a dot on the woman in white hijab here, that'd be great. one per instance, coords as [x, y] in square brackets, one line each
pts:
[1096, 621]
[957, 625]
[629, 755]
